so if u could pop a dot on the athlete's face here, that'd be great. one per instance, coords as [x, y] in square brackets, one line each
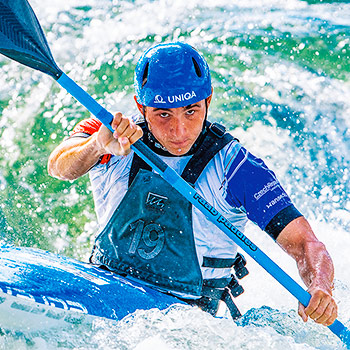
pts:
[177, 129]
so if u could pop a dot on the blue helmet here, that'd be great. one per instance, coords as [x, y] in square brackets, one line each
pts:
[171, 75]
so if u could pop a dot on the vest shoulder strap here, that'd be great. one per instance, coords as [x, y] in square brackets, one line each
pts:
[216, 139]
[137, 162]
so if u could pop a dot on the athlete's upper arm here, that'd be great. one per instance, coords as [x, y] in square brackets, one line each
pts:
[252, 186]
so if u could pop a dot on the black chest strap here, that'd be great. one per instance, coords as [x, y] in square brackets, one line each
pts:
[215, 139]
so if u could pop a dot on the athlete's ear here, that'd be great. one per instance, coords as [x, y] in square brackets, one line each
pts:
[209, 98]
[139, 106]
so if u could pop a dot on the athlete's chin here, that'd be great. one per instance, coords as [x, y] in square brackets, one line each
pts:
[178, 150]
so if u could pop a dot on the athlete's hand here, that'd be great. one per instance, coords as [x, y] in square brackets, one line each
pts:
[118, 143]
[322, 307]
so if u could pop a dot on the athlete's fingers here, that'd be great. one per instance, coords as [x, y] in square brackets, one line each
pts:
[322, 308]
[126, 132]
[301, 312]
[130, 136]
[136, 135]
[116, 120]
[317, 308]
[314, 303]
[334, 315]
[326, 315]
[126, 129]
[124, 145]
[122, 127]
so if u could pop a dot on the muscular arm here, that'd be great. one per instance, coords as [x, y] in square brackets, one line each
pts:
[315, 268]
[74, 157]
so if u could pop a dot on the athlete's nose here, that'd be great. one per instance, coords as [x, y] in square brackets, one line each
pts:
[177, 126]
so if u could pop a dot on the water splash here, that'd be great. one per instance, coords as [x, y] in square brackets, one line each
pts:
[281, 84]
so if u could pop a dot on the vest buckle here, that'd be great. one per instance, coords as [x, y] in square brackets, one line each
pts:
[234, 288]
[239, 266]
[217, 129]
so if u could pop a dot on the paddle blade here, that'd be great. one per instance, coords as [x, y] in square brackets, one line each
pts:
[22, 38]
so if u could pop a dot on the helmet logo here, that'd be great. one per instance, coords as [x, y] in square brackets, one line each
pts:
[159, 99]
[175, 98]
[182, 97]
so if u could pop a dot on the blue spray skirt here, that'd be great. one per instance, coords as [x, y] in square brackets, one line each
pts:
[36, 282]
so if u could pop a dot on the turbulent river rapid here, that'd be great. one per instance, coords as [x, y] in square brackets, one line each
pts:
[281, 78]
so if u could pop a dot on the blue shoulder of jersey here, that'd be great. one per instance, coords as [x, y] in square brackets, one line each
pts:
[253, 186]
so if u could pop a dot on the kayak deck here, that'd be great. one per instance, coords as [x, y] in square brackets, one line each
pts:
[41, 282]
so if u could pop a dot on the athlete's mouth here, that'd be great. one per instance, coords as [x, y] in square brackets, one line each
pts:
[179, 143]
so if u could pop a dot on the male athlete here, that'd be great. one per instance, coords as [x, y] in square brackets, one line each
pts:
[148, 230]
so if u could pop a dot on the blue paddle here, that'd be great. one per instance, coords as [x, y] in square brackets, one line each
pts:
[22, 39]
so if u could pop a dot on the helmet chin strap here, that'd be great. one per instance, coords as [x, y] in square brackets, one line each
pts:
[158, 148]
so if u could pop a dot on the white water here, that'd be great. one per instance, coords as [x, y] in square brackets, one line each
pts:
[115, 31]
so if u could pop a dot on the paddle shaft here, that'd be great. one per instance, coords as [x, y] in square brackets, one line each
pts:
[200, 203]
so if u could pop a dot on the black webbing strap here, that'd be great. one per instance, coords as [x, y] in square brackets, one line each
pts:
[215, 140]
[228, 300]
[238, 263]
[218, 263]
[137, 162]
[215, 287]
[224, 289]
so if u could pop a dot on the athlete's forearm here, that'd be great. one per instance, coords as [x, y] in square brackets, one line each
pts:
[316, 267]
[313, 261]
[74, 158]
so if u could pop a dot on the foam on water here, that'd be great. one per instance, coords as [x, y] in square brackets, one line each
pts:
[182, 328]
[281, 84]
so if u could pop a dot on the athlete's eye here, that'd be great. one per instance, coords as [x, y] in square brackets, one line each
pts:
[190, 112]
[164, 114]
